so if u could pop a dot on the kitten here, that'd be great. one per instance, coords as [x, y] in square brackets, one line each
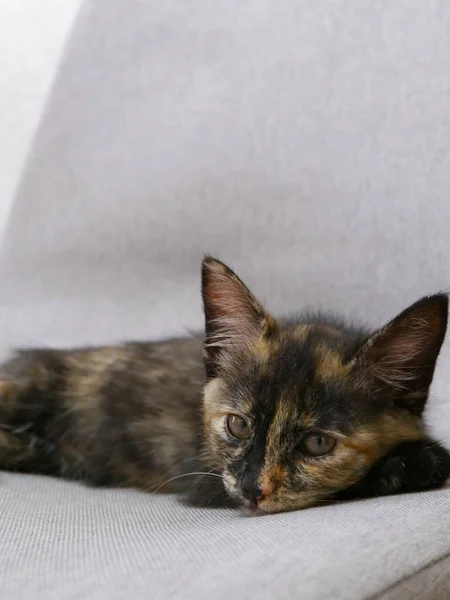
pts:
[295, 411]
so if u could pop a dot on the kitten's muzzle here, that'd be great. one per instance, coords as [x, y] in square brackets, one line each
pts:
[254, 491]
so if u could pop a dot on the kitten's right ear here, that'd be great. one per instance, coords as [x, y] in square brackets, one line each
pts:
[401, 357]
[233, 316]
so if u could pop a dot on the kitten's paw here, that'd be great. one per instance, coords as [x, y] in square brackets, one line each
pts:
[390, 478]
[410, 467]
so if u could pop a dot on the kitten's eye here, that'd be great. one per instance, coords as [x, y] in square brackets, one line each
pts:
[318, 444]
[238, 427]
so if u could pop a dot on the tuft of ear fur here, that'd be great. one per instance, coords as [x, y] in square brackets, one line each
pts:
[401, 357]
[233, 316]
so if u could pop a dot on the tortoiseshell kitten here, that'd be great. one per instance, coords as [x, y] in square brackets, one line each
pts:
[294, 412]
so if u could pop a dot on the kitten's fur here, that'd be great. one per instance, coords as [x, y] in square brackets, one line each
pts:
[133, 416]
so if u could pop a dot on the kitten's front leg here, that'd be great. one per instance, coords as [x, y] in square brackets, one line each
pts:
[410, 467]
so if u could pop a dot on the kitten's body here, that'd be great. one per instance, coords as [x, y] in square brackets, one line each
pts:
[123, 416]
[133, 415]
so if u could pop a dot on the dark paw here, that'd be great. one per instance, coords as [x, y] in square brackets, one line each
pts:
[410, 467]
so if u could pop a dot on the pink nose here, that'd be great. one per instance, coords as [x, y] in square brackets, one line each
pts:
[266, 488]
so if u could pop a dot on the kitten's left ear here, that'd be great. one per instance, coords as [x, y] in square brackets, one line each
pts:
[401, 357]
[234, 318]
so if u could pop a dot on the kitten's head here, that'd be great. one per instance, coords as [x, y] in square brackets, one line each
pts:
[295, 411]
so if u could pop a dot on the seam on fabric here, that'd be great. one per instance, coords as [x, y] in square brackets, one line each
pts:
[426, 567]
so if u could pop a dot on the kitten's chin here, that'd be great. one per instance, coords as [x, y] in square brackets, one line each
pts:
[250, 509]
[254, 511]
[285, 504]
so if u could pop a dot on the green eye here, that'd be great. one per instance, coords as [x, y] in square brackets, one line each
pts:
[318, 444]
[238, 427]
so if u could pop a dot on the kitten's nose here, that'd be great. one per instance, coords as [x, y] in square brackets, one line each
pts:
[251, 488]
[267, 488]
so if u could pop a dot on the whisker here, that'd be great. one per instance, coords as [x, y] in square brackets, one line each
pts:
[186, 475]
[201, 477]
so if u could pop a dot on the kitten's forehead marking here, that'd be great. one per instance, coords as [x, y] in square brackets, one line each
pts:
[328, 330]
[301, 332]
[271, 470]
[286, 413]
[329, 364]
[266, 348]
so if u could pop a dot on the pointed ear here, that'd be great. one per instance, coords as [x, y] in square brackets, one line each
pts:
[233, 316]
[401, 356]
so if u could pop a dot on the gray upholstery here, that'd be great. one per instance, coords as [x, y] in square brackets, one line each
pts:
[306, 143]
[65, 541]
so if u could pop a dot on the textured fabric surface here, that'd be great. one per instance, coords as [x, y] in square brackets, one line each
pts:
[430, 582]
[304, 143]
[69, 542]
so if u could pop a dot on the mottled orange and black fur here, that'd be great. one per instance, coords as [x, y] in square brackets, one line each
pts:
[133, 415]
[112, 416]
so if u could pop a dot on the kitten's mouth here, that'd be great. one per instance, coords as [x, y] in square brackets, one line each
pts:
[253, 508]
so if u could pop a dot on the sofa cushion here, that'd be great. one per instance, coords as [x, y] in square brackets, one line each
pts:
[66, 541]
